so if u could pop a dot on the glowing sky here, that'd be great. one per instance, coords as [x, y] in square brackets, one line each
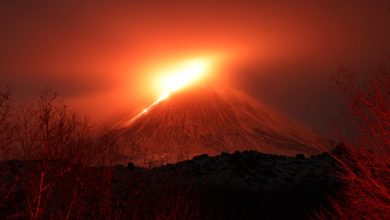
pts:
[106, 54]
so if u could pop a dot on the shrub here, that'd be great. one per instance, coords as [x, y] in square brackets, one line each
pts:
[366, 137]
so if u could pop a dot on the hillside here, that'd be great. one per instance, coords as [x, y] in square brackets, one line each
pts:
[211, 120]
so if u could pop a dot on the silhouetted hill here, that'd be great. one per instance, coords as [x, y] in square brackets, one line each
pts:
[242, 185]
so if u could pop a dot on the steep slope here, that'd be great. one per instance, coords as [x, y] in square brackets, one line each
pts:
[209, 120]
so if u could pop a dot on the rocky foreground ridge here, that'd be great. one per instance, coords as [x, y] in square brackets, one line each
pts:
[242, 185]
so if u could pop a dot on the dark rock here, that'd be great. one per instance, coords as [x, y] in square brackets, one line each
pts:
[267, 173]
[130, 166]
[340, 150]
[14, 163]
[324, 155]
[119, 166]
[249, 181]
[201, 157]
[225, 154]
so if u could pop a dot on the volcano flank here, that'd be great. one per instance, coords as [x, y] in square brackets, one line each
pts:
[210, 120]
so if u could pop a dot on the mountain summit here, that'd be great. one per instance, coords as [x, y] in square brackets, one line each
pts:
[210, 120]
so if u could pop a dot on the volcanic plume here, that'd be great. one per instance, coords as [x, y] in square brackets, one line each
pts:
[204, 119]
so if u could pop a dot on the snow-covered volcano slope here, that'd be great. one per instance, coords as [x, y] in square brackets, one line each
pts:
[210, 120]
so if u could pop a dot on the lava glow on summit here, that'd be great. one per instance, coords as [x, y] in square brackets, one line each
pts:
[177, 77]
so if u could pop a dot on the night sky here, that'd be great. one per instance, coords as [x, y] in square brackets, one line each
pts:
[100, 56]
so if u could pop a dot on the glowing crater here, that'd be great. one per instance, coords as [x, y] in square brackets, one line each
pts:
[176, 78]
[183, 75]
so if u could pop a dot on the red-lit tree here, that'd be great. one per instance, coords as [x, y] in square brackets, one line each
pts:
[5, 122]
[366, 137]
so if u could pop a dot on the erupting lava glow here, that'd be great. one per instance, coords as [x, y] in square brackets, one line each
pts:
[177, 78]
[182, 75]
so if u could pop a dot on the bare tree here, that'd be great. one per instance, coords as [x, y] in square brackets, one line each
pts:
[58, 144]
[366, 191]
[5, 122]
[49, 130]
[66, 171]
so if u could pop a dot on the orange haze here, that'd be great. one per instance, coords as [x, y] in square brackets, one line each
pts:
[103, 57]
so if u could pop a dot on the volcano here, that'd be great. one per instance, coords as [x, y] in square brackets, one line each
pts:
[211, 120]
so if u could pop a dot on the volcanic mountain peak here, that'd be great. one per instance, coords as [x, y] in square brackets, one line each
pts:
[211, 120]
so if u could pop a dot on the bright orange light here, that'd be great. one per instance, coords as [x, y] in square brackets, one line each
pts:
[175, 78]
[181, 75]
[165, 95]
[185, 74]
